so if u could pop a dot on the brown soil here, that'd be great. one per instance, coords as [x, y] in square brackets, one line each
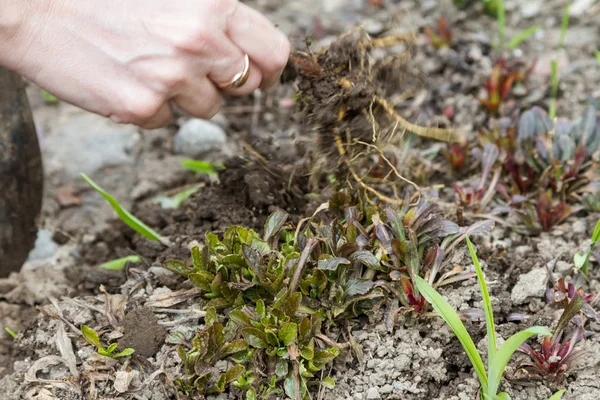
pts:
[247, 193]
[142, 332]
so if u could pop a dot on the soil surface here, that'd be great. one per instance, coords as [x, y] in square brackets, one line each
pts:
[271, 150]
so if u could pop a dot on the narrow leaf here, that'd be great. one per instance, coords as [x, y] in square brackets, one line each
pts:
[558, 395]
[487, 304]
[201, 167]
[132, 221]
[517, 40]
[506, 351]
[119, 263]
[444, 309]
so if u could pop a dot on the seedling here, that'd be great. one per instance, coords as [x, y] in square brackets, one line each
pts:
[10, 332]
[202, 167]
[120, 263]
[131, 220]
[582, 261]
[497, 358]
[92, 338]
[441, 36]
[479, 195]
[552, 363]
[554, 64]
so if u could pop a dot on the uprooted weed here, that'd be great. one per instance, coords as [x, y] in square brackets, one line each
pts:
[348, 92]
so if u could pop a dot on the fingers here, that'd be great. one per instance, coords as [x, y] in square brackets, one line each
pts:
[254, 81]
[162, 117]
[201, 99]
[268, 47]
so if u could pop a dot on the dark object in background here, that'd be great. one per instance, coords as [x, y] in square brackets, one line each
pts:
[21, 174]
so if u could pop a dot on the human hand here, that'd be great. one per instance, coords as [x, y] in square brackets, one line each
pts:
[129, 59]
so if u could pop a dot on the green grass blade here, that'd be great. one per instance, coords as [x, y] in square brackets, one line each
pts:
[558, 395]
[132, 221]
[554, 65]
[202, 167]
[595, 240]
[119, 263]
[11, 332]
[501, 24]
[487, 304]
[444, 309]
[598, 56]
[517, 40]
[504, 354]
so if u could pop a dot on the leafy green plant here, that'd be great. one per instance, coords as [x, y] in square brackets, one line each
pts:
[582, 261]
[549, 164]
[597, 53]
[554, 64]
[209, 346]
[129, 219]
[497, 358]
[92, 338]
[120, 263]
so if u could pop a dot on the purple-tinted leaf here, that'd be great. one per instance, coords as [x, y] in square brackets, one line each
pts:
[332, 264]
[383, 234]
[274, 223]
[488, 159]
[358, 287]
[367, 258]
[424, 216]
[253, 258]
[395, 222]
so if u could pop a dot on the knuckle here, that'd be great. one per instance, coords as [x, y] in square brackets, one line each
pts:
[195, 40]
[141, 109]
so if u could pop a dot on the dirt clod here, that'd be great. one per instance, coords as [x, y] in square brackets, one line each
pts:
[142, 332]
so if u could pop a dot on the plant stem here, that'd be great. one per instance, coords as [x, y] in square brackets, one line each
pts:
[301, 264]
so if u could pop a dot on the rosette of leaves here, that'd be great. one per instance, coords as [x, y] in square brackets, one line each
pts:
[285, 345]
[367, 255]
[552, 363]
[241, 267]
[417, 242]
[549, 164]
[209, 346]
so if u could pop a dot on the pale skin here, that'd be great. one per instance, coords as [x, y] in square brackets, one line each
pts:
[130, 60]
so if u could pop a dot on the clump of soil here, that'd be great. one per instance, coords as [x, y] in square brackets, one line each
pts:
[142, 332]
[348, 88]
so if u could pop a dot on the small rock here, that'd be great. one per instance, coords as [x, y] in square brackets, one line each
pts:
[523, 251]
[562, 267]
[475, 53]
[197, 137]
[387, 389]
[372, 394]
[579, 7]
[373, 27]
[579, 226]
[44, 246]
[531, 8]
[530, 285]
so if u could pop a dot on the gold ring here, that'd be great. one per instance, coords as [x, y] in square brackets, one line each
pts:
[240, 78]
